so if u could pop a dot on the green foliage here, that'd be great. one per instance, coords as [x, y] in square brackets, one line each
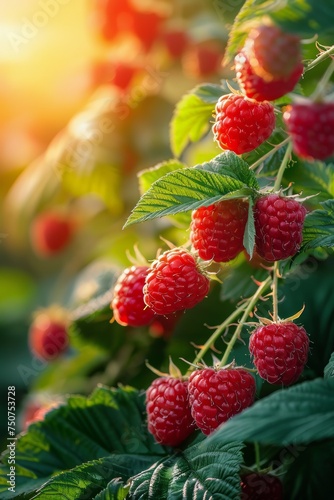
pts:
[319, 227]
[107, 430]
[192, 115]
[302, 17]
[91, 448]
[315, 180]
[148, 176]
[99, 446]
[329, 369]
[200, 471]
[226, 176]
[300, 414]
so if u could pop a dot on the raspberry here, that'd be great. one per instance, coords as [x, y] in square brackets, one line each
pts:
[168, 410]
[311, 127]
[175, 41]
[163, 326]
[278, 227]
[175, 283]
[118, 73]
[272, 54]
[280, 351]
[242, 124]
[203, 59]
[257, 88]
[109, 18]
[48, 337]
[256, 486]
[128, 302]
[217, 231]
[217, 395]
[51, 233]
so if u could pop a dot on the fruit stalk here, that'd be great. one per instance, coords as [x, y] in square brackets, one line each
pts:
[252, 301]
[320, 58]
[275, 292]
[319, 92]
[282, 168]
[267, 155]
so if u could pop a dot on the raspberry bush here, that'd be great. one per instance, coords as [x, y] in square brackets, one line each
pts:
[193, 351]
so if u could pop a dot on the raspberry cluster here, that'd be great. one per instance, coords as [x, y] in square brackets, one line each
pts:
[175, 408]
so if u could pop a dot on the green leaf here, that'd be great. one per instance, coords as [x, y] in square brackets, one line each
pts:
[201, 471]
[249, 235]
[310, 472]
[148, 176]
[302, 17]
[226, 176]
[101, 180]
[312, 179]
[329, 369]
[299, 414]
[305, 17]
[192, 115]
[318, 228]
[115, 490]
[110, 421]
[89, 479]
[231, 165]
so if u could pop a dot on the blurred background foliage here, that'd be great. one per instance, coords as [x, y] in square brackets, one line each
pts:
[85, 104]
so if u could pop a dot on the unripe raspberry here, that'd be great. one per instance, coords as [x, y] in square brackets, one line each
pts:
[48, 334]
[175, 283]
[272, 53]
[278, 227]
[280, 352]
[128, 303]
[259, 89]
[168, 411]
[257, 486]
[217, 395]
[242, 124]
[217, 231]
[311, 127]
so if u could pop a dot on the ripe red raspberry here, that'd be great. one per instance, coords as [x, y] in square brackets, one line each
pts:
[272, 53]
[280, 351]
[242, 124]
[217, 395]
[128, 303]
[217, 231]
[176, 41]
[51, 233]
[168, 411]
[108, 18]
[175, 283]
[203, 59]
[48, 336]
[256, 486]
[164, 326]
[311, 127]
[259, 89]
[278, 226]
[111, 72]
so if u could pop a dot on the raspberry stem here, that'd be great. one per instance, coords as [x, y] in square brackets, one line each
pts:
[320, 90]
[275, 291]
[257, 456]
[267, 155]
[320, 58]
[282, 168]
[252, 301]
[212, 339]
